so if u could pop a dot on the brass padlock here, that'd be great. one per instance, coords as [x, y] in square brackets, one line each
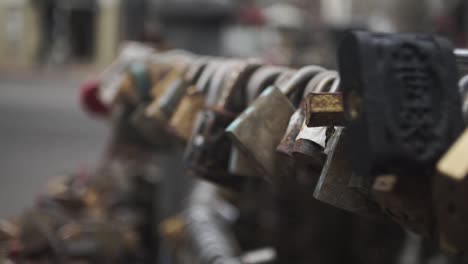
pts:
[207, 154]
[450, 189]
[311, 141]
[268, 118]
[332, 187]
[162, 108]
[239, 164]
[182, 121]
[324, 109]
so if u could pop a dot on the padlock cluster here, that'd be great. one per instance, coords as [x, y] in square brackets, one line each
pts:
[279, 149]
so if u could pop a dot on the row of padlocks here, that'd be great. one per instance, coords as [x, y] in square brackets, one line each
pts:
[306, 165]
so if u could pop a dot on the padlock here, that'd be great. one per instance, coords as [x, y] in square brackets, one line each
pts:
[311, 141]
[182, 121]
[239, 164]
[286, 145]
[402, 116]
[268, 117]
[207, 154]
[450, 190]
[153, 128]
[333, 185]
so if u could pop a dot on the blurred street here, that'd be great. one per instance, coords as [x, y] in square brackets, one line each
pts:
[43, 134]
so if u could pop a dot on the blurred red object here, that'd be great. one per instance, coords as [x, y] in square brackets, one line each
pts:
[90, 101]
[252, 15]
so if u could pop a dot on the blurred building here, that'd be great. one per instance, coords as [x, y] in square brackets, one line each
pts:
[61, 31]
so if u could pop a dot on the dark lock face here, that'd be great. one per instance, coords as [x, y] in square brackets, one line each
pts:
[401, 101]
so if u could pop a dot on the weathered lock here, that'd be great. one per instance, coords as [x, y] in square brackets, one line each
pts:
[208, 152]
[333, 185]
[402, 116]
[286, 145]
[259, 129]
[182, 121]
[239, 164]
[450, 190]
[310, 141]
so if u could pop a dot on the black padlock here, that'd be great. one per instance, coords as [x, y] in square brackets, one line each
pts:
[403, 110]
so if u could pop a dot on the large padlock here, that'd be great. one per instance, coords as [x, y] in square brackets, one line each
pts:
[450, 189]
[208, 152]
[268, 118]
[310, 142]
[403, 111]
[239, 164]
[182, 121]
[333, 185]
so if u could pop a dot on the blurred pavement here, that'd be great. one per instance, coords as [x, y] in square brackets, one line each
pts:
[43, 134]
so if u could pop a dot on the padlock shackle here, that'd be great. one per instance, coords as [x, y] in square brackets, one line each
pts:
[261, 79]
[203, 82]
[319, 82]
[218, 80]
[301, 76]
[331, 78]
[195, 69]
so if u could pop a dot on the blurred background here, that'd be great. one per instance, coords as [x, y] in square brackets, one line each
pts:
[48, 47]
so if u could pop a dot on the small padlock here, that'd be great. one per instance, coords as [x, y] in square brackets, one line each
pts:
[268, 118]
[450, 190]
[402, 116]
[311, 141]
[182, 121]
[239, 164]
[286, 145]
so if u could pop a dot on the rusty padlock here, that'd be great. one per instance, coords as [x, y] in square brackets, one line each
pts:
[268, 117]
[450, 190]
[311, 141]
[333, 185]
[402, 116]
